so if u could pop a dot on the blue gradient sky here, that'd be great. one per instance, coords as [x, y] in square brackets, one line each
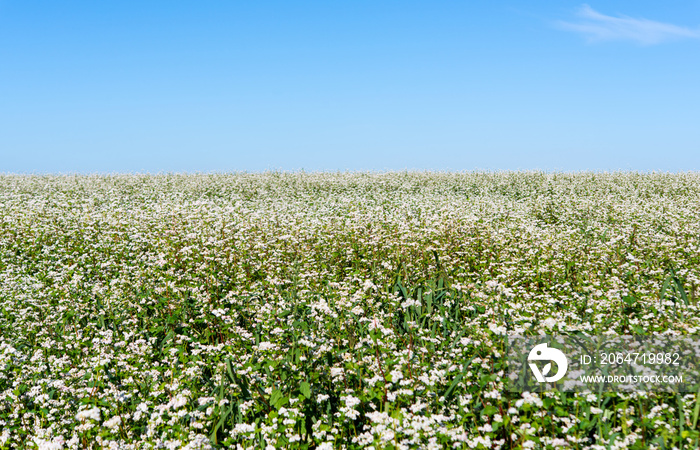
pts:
[156, 86]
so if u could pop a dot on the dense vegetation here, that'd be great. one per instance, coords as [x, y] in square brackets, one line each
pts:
[339, 310]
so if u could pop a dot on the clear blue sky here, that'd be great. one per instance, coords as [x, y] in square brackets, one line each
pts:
[151, 86]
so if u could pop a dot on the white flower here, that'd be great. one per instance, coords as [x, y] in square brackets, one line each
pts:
[358, 311]
[243, 428]
[92, 414]
[179, 401]
[266, 346]
[204, 400]
[351, 401]
[113, 423]
[54, 444]
[396, 375]
[549, 322]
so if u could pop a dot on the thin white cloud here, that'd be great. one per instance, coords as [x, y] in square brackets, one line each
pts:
[597, 27]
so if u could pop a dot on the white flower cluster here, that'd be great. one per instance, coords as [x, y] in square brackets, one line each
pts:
[347, 310]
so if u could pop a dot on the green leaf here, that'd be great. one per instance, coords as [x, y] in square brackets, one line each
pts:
[489, 410]
[305, 389]
[277, 399]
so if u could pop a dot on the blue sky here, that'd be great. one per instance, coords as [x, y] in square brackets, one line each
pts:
[364, 85]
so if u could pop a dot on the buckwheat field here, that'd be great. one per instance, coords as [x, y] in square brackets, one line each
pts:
[334, 310]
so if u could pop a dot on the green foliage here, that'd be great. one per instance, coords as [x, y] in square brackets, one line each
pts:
[333, 310]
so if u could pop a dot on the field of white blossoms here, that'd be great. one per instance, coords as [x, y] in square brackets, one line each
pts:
[346, 310]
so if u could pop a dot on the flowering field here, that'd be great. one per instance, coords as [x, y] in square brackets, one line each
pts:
[325, 310]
